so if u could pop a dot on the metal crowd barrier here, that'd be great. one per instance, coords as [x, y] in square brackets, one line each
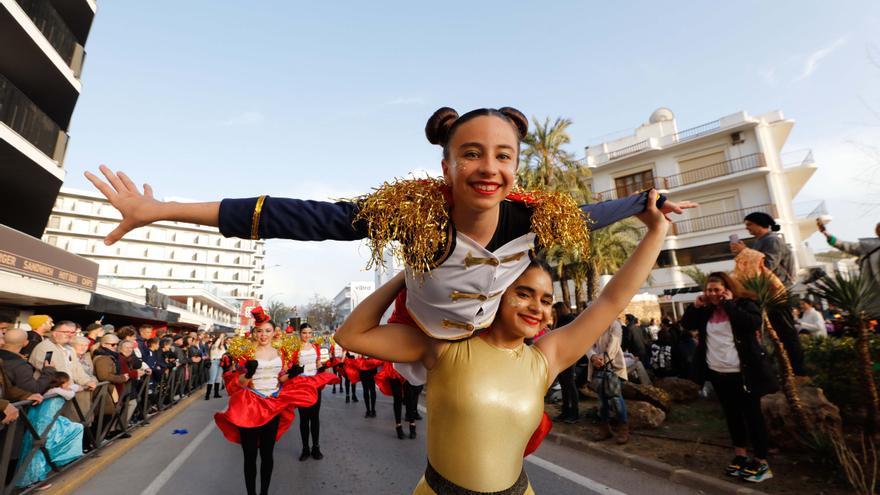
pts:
[151, 397]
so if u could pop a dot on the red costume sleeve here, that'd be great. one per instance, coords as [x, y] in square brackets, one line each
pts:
[401, 314]
[539, 435]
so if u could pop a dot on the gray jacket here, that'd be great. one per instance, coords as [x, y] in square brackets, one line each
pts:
[609, 343]
[868, 251]
[777, 257]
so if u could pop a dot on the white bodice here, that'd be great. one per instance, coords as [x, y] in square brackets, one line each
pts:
[265, 380]
[462, 294]
[308, 359]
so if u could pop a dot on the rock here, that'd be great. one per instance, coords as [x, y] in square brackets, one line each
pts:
[822, 416]
[641, 414]
[679, 389]
[652, 395]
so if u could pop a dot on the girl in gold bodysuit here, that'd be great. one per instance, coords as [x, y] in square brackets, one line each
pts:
[490, 388]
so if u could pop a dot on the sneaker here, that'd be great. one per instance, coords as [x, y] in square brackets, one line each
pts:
[757, 472]
[735, 467]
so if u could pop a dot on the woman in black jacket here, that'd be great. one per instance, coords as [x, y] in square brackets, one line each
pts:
[730, 356]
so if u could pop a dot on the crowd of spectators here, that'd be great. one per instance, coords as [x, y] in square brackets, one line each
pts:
[59, 365]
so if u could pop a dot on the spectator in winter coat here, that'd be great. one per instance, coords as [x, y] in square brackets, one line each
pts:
[63, 358]
[40, 325]
[868, 251]
[17, 369]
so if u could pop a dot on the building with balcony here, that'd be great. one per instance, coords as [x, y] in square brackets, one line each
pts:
[41, 59]
[349, 297]
[732, 166]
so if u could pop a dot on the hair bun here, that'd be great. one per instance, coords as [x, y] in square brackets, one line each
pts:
[775, 227]
[518, 119]
[438, 126]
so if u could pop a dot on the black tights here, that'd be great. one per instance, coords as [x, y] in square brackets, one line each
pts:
[262, 439]
[411, 400]
[349, 386]
[369, 384]
[397, 394]
[310, 422]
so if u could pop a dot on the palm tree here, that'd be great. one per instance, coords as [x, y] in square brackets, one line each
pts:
[544, 164]
[609, 249]
[859, 298]
[694, 273]
[769, 298]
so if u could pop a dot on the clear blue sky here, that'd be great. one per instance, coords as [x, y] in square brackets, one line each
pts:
[208, 99]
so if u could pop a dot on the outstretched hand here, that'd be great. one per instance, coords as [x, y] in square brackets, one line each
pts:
[676, 207]
[137, 209]
[653, 217]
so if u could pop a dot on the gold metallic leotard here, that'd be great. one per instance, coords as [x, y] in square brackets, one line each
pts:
[484, 403]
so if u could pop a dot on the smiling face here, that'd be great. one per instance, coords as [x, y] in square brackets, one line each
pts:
[527, 305]
[263, 333]
[305, 334]
[481, 162]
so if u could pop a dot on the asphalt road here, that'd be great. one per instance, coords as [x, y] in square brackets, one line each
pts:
[362, 456]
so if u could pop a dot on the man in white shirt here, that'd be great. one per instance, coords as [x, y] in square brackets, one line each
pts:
[607, 350]
[811, 320]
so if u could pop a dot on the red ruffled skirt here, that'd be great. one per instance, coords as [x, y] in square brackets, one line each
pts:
[248, 409]
[385, 376]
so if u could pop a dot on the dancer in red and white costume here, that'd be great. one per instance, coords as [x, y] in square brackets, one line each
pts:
[309, 358]
[394, 385]
[264, 389]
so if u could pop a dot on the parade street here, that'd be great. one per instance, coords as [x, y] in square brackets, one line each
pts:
[362, 456]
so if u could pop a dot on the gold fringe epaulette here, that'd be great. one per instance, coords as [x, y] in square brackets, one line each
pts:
[557, 221]
[412, 218]
[414, 213]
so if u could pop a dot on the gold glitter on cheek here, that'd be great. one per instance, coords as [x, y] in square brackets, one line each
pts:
[513, 301]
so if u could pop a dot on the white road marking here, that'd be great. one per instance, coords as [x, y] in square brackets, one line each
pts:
[172, 467]
[573, 477]
[563, 472]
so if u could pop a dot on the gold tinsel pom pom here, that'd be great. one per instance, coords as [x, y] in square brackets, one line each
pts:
[413, 213]
[241, 347]
[558, 221]
[286, 345]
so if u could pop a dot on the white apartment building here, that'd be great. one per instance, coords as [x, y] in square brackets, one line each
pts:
[349, 297]
[732, 166]
[204, 273]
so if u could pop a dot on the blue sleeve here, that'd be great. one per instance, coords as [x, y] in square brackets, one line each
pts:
[605, 213]
[285, 218]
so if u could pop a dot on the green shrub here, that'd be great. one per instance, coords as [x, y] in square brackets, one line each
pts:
[832, 364]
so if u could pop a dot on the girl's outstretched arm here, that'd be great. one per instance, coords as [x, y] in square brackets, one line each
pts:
[565, 346]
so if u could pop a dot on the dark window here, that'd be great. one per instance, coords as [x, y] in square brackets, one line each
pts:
[708, 253]
[634, 183]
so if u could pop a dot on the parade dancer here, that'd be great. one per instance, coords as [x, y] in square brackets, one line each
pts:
[264, 391]
[472, 217]
[367, 368]
[309, 358]
[392, 384]
[337, 363]
[486, 393]
[352, 376]
[464, 238]
[217, 350]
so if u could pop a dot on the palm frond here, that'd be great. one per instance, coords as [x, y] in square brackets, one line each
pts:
[769, 298]
[857, 295]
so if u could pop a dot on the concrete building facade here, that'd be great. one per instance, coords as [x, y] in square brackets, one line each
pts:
[732, 166]
[349, 297]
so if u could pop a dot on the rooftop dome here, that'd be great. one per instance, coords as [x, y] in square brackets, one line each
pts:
[662, 114]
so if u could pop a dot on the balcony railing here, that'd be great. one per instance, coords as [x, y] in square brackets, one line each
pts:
[620, 192]
[695, 132]
[633, 148]
[701, 174]
[53, 27]
[24, 117]
[797, 158]
[720, 169]
[725, 219]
